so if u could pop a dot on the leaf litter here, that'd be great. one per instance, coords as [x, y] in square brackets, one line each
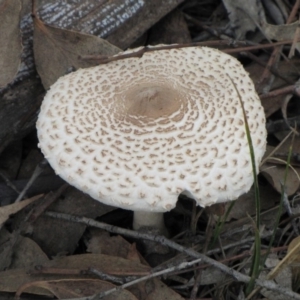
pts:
[59, 51]
[51, 257]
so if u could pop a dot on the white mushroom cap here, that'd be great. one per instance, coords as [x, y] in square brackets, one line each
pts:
[137, 132]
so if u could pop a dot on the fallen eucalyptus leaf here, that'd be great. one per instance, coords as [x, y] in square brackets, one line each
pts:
[75, 288]
[59, 51]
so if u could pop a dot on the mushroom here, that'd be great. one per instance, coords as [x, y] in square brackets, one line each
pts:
[137, 132]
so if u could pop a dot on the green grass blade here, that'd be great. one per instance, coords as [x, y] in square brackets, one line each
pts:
[220, 224]
[255, 266]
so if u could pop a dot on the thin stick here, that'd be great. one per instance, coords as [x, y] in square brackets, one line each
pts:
[291, 89]
[268, 284]
[102, 59]
[182, 265]
[36, 173]
[9, 182]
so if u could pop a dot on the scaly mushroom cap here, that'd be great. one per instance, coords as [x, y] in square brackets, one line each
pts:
[137, 132]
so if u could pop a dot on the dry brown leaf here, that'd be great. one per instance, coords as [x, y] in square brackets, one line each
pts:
[283, 32]
[19, 252]
[153, 290]
[245, 204]
[59, 51]
[10, 50]
[27, 254]
[69, 267]
[105, 263]
[274, 169]
[6, 211]
[275, 175]
[7, 240]
[75, 288]
[48, 232]
[280, 32]
[102, 242]
[11, 280]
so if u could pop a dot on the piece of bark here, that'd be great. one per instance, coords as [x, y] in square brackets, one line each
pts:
[115, 20]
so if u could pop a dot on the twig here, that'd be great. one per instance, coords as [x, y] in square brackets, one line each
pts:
[36, 173]
[294, 89]
[156, 274]
[107, 277]
[263, 64]
[259, 47]
[268, 284]
[196, 284]
[9, 183]
[102, 59]
[115, 279]
[176, 260]
[45, 203]
[293, 12]
[32, 215]
[275, 149]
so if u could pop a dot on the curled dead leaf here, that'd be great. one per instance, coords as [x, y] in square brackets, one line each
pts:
[274, 165]
[59, 51]
[275, 173]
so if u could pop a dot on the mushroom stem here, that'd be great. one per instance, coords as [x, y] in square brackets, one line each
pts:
[149, 220]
